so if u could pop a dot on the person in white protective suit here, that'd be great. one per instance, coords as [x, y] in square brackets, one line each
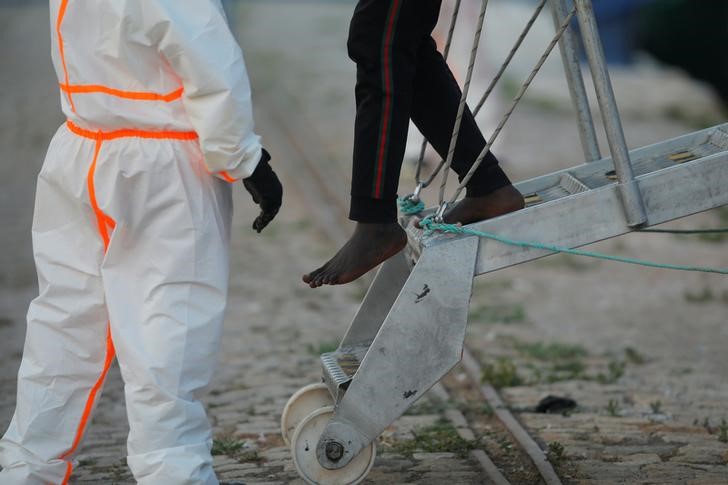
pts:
[131, 234]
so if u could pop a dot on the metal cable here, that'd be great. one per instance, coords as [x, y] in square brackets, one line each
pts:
[485, 96]
[492, 85]
[506, 117]
[445, 55]
[508, 60]
[463, 99]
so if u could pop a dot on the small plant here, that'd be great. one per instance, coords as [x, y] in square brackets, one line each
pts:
[503, 373]
[234, 448]
[555, 453]
[227, 445]
[706, 425]
[656, 407]
[441, 437]
[615, 370]
[613, 408]
[633, 356]
[566, 371]
[723, 431]
[505, 444]
[475, 407]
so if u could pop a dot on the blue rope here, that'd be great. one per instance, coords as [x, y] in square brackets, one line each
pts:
[430, 226]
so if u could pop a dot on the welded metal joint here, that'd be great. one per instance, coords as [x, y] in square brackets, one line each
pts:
[632, 202]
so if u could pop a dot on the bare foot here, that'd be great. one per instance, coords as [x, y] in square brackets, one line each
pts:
[474, 209]
[370, 245]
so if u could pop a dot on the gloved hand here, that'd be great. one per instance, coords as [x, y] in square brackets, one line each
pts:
[266, 190]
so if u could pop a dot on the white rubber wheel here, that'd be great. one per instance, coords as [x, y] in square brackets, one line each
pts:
[303, 448]
[303, 402]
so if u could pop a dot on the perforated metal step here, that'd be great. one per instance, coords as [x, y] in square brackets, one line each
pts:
[340, 366]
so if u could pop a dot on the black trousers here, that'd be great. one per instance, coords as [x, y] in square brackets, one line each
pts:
[402, 76]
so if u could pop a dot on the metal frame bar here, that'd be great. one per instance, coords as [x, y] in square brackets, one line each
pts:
[572, 69]
[377, 302]
[628, 188]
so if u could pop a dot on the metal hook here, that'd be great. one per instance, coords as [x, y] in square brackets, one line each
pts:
[440, 212]
[415, 197]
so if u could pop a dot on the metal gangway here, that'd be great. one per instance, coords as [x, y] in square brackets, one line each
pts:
[410, 328]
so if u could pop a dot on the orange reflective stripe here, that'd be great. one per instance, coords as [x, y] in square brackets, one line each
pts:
[101, 218]
[104, 222]
[67, 476]
[110, 353]
[226, 176]
[130, 133]
[135, 95]
[59, 21]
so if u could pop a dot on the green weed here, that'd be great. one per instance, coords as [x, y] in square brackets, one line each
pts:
[441, 437]
[723, 431]
[230, 446]
[613, 408]
[475, 407]
[227, 445]
[615, 370]
[633, 356]
[555, 453]
[502, 373]
[566, 371]
[656, 407]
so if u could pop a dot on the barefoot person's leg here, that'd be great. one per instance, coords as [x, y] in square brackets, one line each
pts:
[384, 41]
[434, 109]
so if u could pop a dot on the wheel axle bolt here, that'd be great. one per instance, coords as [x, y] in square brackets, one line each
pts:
[334, 451]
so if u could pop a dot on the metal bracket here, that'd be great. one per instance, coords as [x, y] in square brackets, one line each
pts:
[418, 343]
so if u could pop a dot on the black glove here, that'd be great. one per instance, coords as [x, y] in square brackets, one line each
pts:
[266, 190]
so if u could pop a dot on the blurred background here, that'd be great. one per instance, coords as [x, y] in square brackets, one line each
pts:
[670, 74]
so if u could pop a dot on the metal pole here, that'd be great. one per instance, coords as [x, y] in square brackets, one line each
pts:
[572, 68]
[629, 190]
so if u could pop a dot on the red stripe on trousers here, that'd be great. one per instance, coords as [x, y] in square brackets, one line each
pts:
[388, 99]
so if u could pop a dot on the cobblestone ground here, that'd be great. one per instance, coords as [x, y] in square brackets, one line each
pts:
[642, 352]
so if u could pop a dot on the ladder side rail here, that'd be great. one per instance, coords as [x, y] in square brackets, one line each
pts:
[575, 82]
[593, 216]
[628, 188]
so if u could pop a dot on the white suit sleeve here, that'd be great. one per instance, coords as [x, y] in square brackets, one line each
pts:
[195, 38]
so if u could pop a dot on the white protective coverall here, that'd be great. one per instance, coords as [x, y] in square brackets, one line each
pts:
[131, 235]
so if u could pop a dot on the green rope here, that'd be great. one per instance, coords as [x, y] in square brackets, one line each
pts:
[410, 208]
[430, 226]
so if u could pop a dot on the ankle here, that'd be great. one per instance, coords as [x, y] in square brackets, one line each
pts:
[377, 227]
